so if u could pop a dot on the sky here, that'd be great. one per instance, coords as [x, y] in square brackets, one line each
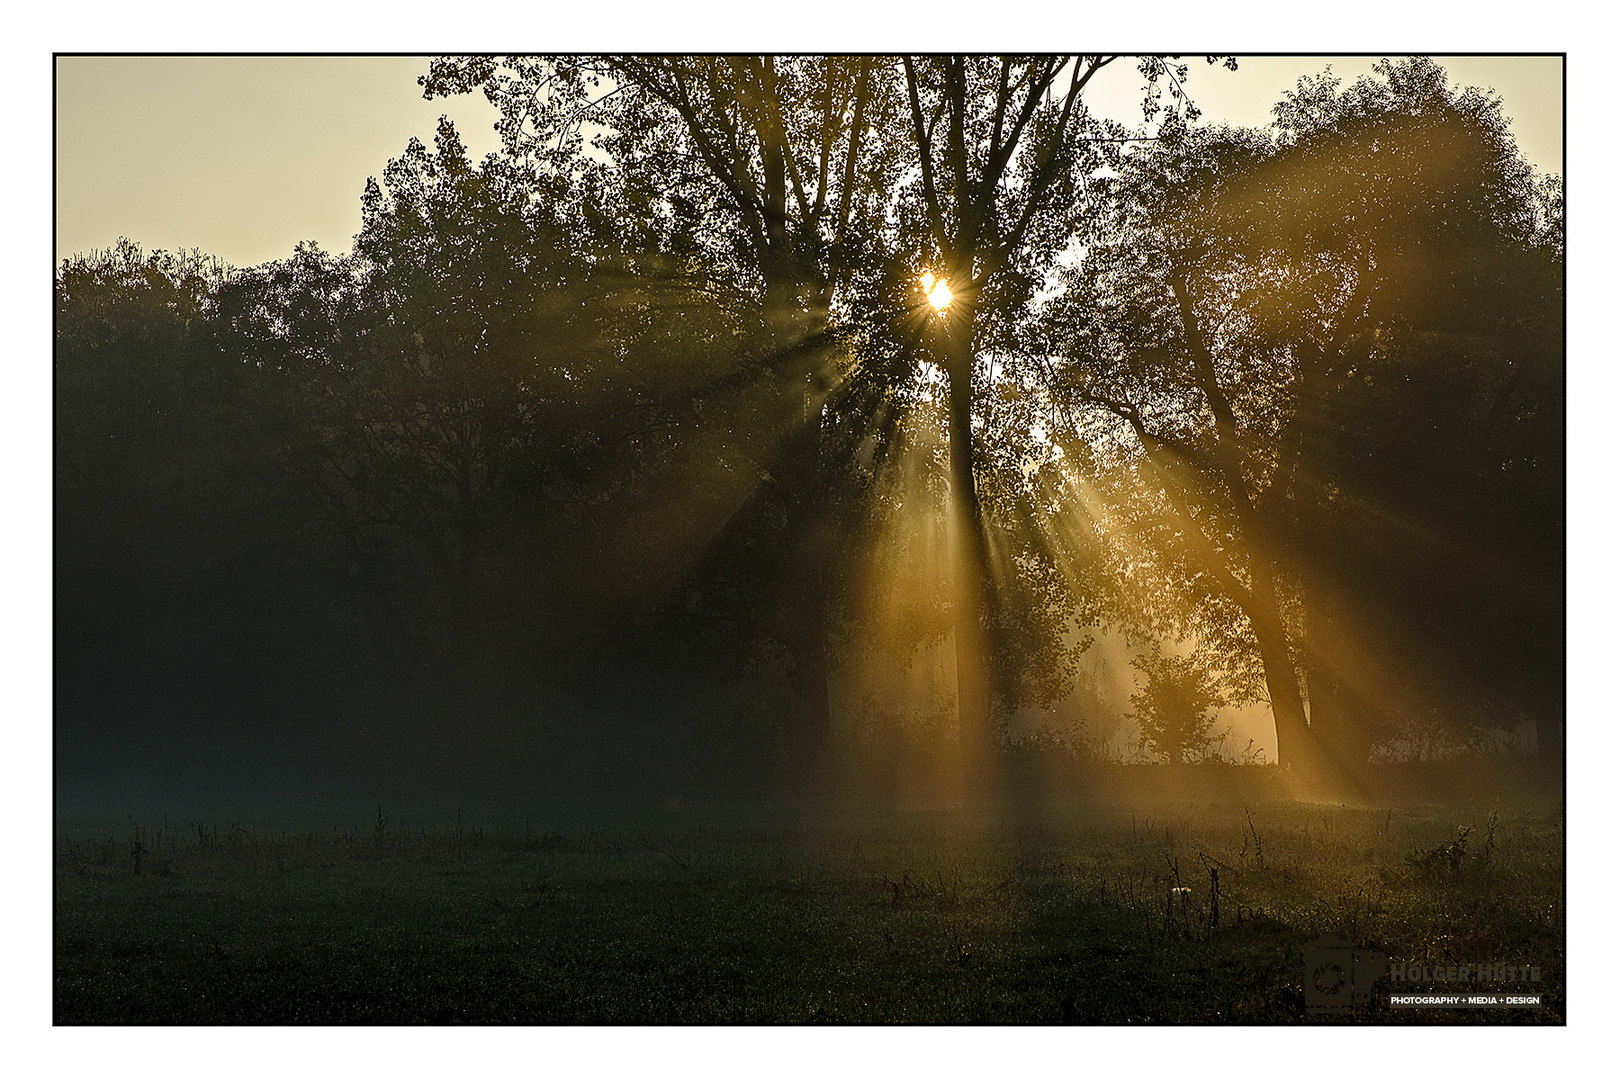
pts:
[243, 157]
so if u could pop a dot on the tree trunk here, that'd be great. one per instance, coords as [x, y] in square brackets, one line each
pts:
[812, 546]
[977, 745]
[798, 341]
[1295, 742]
[1297, 745]
[1342, 719]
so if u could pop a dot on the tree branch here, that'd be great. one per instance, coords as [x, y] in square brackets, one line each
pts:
[925, 153]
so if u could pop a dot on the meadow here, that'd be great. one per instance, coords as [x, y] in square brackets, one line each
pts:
[1150, 910]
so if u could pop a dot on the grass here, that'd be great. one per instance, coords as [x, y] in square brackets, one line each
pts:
[766, 917]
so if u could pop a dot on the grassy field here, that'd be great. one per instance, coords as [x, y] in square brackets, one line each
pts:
[766, 916]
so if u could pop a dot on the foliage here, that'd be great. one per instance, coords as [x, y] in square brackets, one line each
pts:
[176, 588]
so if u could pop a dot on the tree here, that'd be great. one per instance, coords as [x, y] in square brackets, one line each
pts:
[1277, 326]
[998, 164]
[1175, 709]
[773, 168]
[793, 171]
[1155, 333]
[487, 395]
[1430, 577]
[175, 598]
[1003, 151]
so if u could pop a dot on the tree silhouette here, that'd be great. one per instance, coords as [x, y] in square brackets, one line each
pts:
[774, 168]
[1283, 330]
[611, 445]
[1175, 708]
[176, 596]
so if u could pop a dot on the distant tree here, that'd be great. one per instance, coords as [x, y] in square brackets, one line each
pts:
[139, 408]
[175, 598]
[1175, 708]
[493, 393]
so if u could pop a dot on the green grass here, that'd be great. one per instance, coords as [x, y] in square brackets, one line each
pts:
[766, 918]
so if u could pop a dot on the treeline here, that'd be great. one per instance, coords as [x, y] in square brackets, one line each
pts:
[635, 455]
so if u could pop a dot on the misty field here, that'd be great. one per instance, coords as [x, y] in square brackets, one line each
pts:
[770, 916]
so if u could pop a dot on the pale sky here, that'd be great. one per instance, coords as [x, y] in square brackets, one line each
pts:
[243, 157]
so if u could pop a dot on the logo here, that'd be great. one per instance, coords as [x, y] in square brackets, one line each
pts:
[1338, 977]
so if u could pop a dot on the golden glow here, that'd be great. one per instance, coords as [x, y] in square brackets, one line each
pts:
[937, 290]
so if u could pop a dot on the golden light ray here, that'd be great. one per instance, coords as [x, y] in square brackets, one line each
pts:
[695, 516]
[898, 690]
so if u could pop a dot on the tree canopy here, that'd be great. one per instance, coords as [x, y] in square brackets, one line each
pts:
[637, 450]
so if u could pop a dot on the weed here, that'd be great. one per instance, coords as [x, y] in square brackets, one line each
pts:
[1446, 856]
[1483, 859]
[1254, 835]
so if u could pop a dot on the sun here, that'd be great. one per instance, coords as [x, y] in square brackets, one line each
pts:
[937, 290]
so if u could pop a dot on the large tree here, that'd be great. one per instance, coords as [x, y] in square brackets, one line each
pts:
[1431, 541]
[1297, 334]
[491, 389]
[825, 181]
[1003, 148]
[1152, 332]
[775, 169]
